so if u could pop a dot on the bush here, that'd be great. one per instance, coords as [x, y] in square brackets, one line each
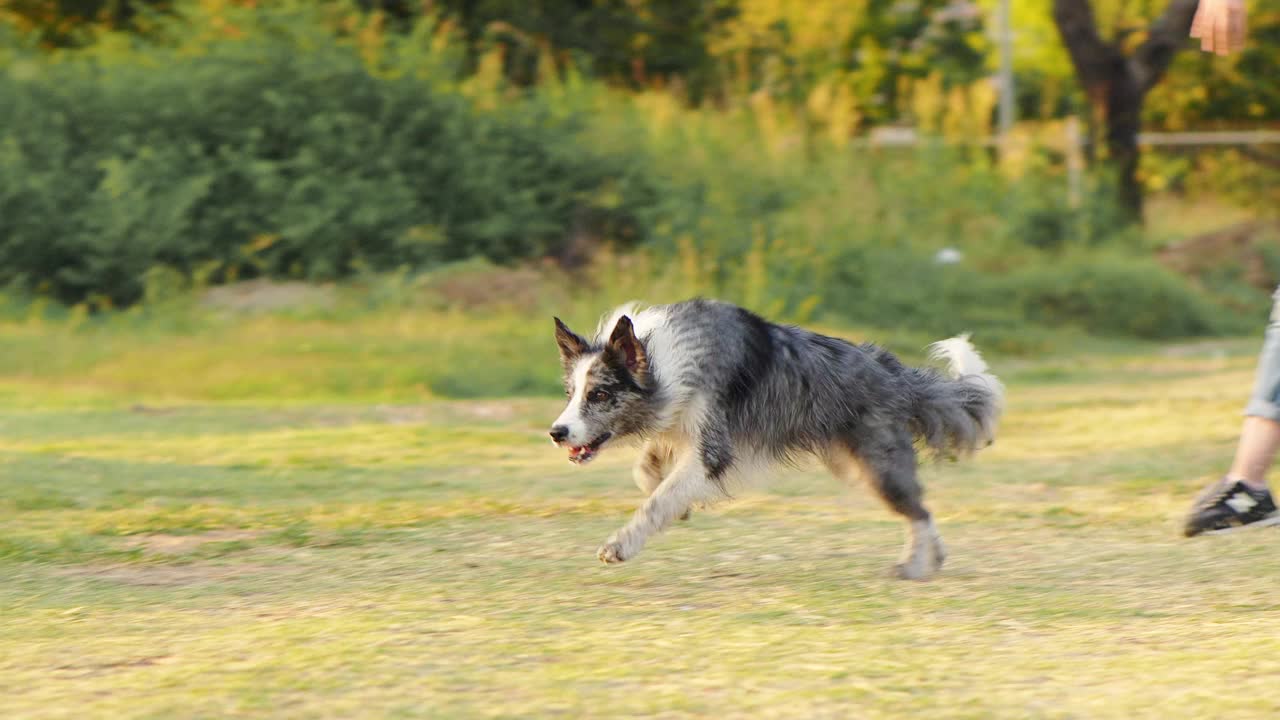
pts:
[898, 288]
[259, 158]
[1127, 297]
[1101, 295]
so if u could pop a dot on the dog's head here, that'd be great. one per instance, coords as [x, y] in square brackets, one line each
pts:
[608, 386]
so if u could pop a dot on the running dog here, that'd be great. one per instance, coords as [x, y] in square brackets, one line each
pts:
[718, 394]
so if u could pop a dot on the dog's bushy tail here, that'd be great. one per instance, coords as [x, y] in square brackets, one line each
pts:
[957, 415]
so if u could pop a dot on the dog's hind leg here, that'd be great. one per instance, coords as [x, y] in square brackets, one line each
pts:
[888, 460]
[690, 482]
[652, 467]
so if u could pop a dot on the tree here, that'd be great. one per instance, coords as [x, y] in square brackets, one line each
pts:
[1116, 82]
[874, 47]
[626, 41]
[66, 23]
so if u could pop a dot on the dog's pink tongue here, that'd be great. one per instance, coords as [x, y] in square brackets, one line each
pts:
[575, 450]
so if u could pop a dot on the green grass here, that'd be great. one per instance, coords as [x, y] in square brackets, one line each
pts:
[201, 525]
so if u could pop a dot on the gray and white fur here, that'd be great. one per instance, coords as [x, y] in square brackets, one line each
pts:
[719, 394]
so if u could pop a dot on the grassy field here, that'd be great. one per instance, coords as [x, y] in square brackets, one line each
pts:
[187, 530]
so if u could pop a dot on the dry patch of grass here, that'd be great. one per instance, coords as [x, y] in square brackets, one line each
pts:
[164, 544]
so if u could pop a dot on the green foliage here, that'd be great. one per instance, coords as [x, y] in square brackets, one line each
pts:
[724, 48]
[1123, 297]
[627, 42]
[1108, 296]
[870, 50]
[280, 156]
[1271, 258]
[138, 172]
[1203, 89]
[65, 23]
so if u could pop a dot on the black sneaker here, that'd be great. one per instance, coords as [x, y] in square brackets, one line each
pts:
[1230, 505]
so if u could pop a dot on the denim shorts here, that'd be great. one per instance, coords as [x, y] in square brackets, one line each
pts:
[1265, 401]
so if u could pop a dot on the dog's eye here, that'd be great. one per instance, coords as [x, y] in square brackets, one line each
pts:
[598, 396]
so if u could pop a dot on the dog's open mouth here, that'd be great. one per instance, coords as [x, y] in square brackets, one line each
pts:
[581, 454]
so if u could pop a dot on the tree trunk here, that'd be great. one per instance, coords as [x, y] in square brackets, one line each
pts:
[1124, 120]
[1116, 84]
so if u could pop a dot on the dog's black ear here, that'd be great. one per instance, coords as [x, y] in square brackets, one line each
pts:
[571, 344]
[630, 350]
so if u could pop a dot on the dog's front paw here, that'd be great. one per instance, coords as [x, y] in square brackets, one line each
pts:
[612, 552]
[923, 562]
[911, 571]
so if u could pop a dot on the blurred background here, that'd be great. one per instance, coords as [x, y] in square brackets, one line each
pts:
[276, 361]
[807, 159]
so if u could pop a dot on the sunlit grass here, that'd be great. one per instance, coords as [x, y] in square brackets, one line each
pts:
[179, 537]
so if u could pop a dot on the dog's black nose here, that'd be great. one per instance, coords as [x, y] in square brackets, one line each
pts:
[559, 433]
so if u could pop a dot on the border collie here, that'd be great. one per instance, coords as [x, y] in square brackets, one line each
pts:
[718, 394]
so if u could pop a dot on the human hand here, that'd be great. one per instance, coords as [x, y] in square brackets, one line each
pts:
[1220, 25]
